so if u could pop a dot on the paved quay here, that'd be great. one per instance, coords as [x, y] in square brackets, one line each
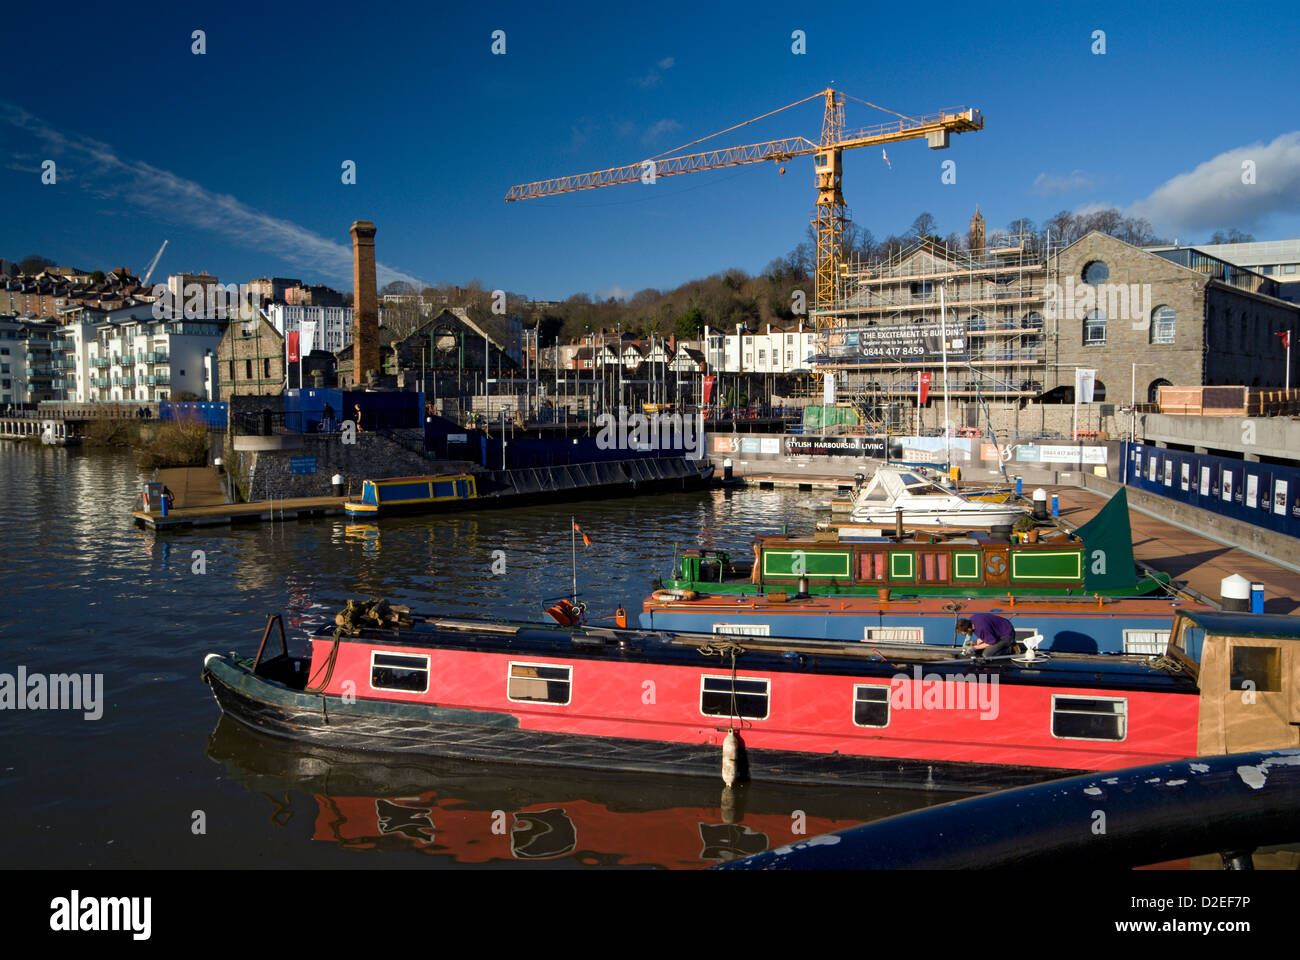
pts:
[1200, 562]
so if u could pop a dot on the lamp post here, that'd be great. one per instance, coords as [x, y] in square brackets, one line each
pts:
[1132, 410]
[1132, 414]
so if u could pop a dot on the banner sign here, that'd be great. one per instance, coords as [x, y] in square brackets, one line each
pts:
[308, 342]
[1031, 453]
[293, 346]
[302, 464]
[708, 387]
[1084, 383]
[902, 341]
[923, 387]
[835, 447]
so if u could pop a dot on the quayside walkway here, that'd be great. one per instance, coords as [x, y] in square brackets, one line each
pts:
[1200, 562]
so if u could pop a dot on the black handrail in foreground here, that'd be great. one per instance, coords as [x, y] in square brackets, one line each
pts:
[1115, 819]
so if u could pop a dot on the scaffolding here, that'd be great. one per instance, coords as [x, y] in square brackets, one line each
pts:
[1001, 341]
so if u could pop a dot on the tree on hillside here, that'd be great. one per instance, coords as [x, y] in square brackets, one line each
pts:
[1232, 236]
[34, 264]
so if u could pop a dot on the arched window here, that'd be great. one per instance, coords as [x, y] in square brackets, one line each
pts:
[1094, 327]
[1153, 391]
[1034, 321]
[1163, 320]
[1098, 391]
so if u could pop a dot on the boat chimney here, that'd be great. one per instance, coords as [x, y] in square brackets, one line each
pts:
[365, 303]
[898, 522]
[1040, 504]
[1234, 593]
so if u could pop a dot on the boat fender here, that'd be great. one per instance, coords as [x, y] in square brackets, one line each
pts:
[674, 595]
[620, 617]
[730, 754]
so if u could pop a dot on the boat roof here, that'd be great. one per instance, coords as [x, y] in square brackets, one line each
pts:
[424, 477]
[1245, 624]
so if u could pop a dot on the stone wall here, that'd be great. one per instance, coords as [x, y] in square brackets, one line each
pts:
[268, 474]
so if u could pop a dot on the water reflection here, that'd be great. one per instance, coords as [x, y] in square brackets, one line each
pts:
[469, 812]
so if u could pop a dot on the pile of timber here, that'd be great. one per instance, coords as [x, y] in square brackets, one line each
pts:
[359, 614]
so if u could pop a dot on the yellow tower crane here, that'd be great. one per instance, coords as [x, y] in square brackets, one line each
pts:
[831, 214]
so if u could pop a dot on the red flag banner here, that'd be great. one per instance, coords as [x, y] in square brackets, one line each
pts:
[924, 388]
[1286, 338]
[293, 346]
[586, 540]
[708, 388]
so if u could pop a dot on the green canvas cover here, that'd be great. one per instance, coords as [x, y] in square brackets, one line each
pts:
[1108, 548]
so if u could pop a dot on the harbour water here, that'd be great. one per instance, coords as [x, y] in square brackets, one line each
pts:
[155, 780]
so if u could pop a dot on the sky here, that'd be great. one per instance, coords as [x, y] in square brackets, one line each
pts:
[236, 155]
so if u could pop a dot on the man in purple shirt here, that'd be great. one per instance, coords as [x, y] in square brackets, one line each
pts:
[993, 634]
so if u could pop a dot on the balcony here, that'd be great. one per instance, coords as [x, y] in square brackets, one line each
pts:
[65, 364]
[124, 381]
[159, 381]
[103, 363]
[103, 383]
[39, 372]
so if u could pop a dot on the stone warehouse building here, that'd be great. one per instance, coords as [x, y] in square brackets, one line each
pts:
[1021, 317]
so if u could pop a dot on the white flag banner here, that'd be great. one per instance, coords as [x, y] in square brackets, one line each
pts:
[307, 338]
[1084, 381]
[828, 390]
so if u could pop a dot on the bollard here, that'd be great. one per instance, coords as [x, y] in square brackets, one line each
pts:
[1040, 504]
[1056, 505]
[726, 469]
[1020, 487]
[1256, 598]
[337, 482]
[1234, 593]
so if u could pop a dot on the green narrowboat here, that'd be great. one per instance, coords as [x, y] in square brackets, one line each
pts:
[1095, 559]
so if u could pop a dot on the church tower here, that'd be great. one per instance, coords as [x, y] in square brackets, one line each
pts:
[976, 239]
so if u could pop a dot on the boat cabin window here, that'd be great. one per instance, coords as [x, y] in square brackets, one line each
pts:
[1089, 718]
[748, 700]
[876, 493]
[1257, 668]
[1146, 642]
[934, 567]
[893, 634]
[399, 671]
[539, 683]
[871, 566]
[870, 705]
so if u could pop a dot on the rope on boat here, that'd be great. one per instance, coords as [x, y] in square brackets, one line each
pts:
[327, 666]
[1166, 663]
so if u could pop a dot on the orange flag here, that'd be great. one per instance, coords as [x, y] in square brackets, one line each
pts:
[586, 540]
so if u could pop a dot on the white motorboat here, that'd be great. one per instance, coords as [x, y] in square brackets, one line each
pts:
[924, 504]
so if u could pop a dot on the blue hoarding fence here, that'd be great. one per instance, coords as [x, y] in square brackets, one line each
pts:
[1263, 494]
[212, 415]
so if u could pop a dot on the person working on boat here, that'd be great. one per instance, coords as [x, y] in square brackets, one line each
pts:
[993, 634]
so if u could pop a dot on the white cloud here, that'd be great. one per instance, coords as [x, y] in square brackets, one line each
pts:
[658, 128]
[1046, 183]
[652, 78]
[95, 167]
[1214, 196]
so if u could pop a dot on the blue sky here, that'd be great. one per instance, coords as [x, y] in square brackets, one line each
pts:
[235, 156]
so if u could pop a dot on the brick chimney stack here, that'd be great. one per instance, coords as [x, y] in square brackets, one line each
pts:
[365, 303]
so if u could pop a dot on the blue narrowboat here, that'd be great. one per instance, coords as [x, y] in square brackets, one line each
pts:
[397, 494]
